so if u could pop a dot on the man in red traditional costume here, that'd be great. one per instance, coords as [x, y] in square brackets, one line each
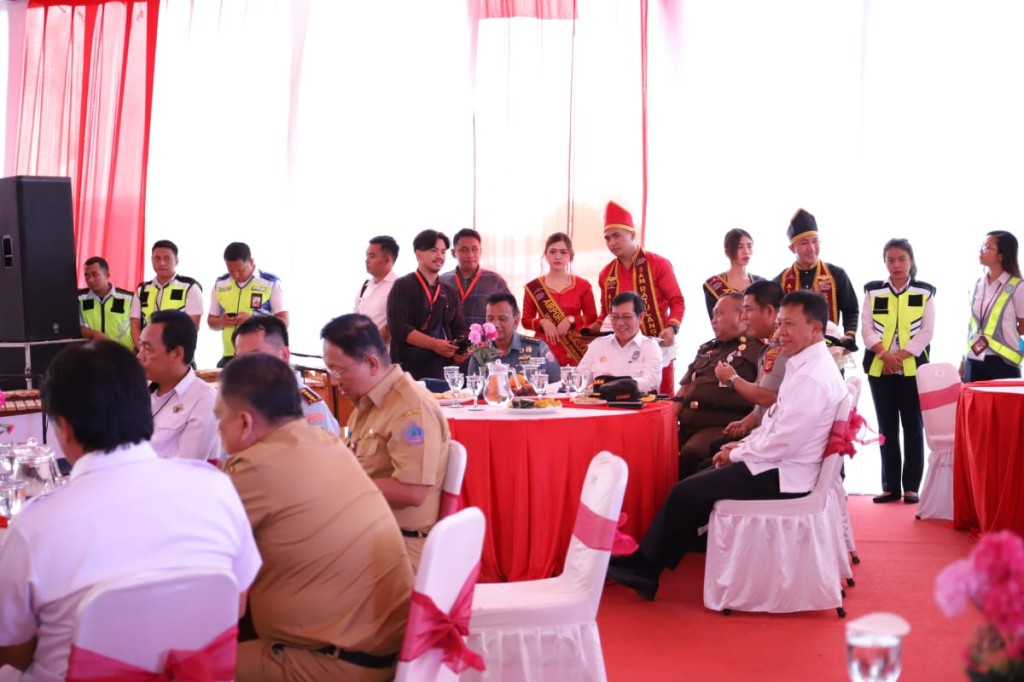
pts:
[810, 272]
[649, 275]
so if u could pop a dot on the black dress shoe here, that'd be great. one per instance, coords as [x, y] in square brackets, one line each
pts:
[643, 581]
[911, 498]
[885, 497]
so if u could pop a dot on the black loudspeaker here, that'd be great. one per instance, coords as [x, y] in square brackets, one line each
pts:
[38, 293]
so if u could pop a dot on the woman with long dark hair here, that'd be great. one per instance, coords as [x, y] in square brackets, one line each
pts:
[739, 247]
[997, 312]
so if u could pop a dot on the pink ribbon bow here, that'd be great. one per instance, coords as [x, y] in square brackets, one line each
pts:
[431, 628]
[937, 398]
[215, 661]
[845, 434]
[597, 532]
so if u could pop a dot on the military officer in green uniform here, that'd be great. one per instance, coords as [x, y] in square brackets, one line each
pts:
[705, 406]
[103, 308]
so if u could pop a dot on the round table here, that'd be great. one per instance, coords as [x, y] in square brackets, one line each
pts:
[525, 472]
[988, 465]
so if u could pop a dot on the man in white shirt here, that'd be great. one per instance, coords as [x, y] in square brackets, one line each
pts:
[265, 334]
[627, 352]
[182, 404]
[124, 512]
[372, 300]
[780, 459]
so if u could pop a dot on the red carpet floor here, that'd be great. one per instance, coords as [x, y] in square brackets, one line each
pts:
[676, 638]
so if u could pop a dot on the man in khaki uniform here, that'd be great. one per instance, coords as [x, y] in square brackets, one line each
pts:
[397, 430]
[331, 599]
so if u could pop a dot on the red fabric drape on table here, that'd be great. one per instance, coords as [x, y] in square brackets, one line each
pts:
[85, 111]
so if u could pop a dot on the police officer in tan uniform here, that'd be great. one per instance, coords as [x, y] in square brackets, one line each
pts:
[704, 406]
[397, 431]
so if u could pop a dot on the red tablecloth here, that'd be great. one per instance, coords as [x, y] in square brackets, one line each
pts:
[988, 464]
[526, 477]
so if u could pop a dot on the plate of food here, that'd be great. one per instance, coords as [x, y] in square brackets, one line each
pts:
[451, 398]
[535, 405]
[588, 400]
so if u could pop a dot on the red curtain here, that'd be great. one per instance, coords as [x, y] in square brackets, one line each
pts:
[85, 112]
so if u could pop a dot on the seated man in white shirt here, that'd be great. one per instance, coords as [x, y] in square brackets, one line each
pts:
[124, 512]
[266, 334]
[779, 459]
[182, 404]
[627, 352]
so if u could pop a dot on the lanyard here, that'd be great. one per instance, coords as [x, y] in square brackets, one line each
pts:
[458, 282]
[431, 300]
[986, 308]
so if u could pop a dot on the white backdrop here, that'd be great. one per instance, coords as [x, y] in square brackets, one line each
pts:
[883, 119]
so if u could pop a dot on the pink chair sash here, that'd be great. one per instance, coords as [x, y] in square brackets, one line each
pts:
[215, 661]
[450, 503]
[845, 434]
[431, 628]
[597, 532]
[940, 397]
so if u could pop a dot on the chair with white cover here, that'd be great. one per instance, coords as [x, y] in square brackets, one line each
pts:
[179, 622]
[938, 387]
[853, 386]
[434, 647]
[547, 629]
[779, 556]
[451, 489]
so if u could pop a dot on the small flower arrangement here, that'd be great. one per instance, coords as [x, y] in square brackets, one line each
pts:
[482, 336]
[991, 579]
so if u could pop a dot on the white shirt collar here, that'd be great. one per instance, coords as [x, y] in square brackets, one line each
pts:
[182, 385]
[123, 454]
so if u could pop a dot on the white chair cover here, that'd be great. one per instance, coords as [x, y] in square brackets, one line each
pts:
[938, 385]
[853, 386]
[778, 555]
[451, 489]
[450, 555]
[547, 629]
[138, 620]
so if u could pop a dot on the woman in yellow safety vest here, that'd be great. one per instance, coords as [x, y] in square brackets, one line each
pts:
[897, 324]
[997, 312]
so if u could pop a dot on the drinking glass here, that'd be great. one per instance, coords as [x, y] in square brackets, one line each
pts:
[455, 382]
[580, 380]
[873, 657]
[475, 382]
[8, 460]
[12, 496]
[540, 381]
[450, 370]
[567, 379]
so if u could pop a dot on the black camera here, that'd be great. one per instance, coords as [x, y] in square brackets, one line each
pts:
[462, 345]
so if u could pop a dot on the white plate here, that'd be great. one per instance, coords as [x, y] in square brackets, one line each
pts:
[448, 402]
[535, 410]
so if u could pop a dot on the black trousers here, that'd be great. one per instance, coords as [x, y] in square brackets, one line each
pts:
[689, 504]
[896, 402]
[992, 367]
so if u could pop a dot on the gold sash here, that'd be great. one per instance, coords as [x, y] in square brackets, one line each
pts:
[572, 342]
[824, 283]
[717, 286]
[643, 284]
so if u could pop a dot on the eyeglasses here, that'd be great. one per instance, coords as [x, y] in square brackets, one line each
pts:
[339, 372]
[624, 317]
[987, 247]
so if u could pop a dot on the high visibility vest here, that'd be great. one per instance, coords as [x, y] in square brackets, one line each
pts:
[255, 295]
[175, 295]
[991, 327]
[109, 316]
[900, 316]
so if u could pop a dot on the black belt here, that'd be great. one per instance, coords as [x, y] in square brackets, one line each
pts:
[704, 406]
[413, 533]
[358, 657]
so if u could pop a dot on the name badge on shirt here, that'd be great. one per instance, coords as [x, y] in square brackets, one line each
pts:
[636, 356]
[178, 408]
[979, 345]
[256, 301]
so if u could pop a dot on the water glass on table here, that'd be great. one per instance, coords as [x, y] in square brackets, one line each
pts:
[12, 496]
[874, 647]
[475, 382]
[455, 382]
[540, 381]
[568, 372]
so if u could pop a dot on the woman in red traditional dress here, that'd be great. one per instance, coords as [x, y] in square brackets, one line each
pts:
[739, 247]
[557, 305]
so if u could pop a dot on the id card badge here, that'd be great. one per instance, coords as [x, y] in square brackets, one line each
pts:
[979, 345]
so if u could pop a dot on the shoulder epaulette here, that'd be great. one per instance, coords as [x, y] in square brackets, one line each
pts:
[874, 284]
[226, 275]
[923, 285]
[269, 276]
[189, 281]
[309, 395]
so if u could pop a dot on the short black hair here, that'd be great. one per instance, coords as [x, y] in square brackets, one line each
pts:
[387, 244]
[765, 293]
[630, 297]
[903, 245]
[427, 239]
[264, 383]
[100, 261]
[100, 388]
[466, 232]
[165, 244]
[270, 325]
[504, 297]
[357, 336]
[178, 330]
[814, 305]
[237, 251]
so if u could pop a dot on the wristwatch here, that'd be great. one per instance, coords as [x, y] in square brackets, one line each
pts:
[572, 320]
[730, 381]
[675, 328]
